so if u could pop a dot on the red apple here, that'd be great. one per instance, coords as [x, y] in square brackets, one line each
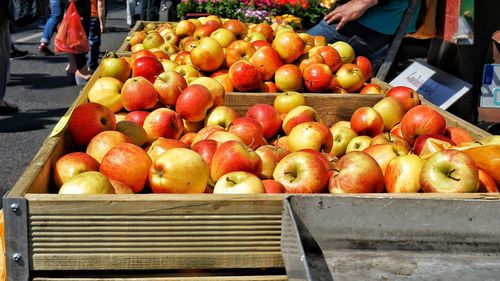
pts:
[237, 50]
[357, 172]
[289, 46]
[301, 172]
[273, 186]
[185, 28]
[312, 135]
[341, 136]
[188, 138]
[72, 164]
[391, 111]
[367, 121]
[402, 174]
[89, 119]
[216, 89]
[223, 36]
[244, 76]
[358, 143]
[116, 67]
[308, 59]
[163, 122]
[264, 28]
[450, 171]
[206, 148]
[127, 163]
[405, 95]
[260, 43]
[350, 77]
[221, 115]
[365, 65]
[90, 182]
[234, 156]
[205, 132]
[267, 61]
[137, 116]
[194, 102]
[372, 89]
[317, 77]
[288, 100]
[298, 115]
[208, 55]
[249, 130]
[138, 94]
[330, 55]
[238, 28]
[206, 30]
[179, 170]
[268, 87]
[239, 182]
[270, 156]
[169, 86]
[159, 146]
[222, 136]
[389, 138]
[384, 153]
[345, 50]
[101, 143]
[147, 67]
[288, 78]
[267, 116]
[420, 120]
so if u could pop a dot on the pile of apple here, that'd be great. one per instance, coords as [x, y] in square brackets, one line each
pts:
[188, 141]
[250, 57]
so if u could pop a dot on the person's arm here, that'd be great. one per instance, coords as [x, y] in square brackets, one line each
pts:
[101, 13]
[349, 11]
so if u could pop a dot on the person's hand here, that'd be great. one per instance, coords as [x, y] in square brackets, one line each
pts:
[349, 11]
[103, 28]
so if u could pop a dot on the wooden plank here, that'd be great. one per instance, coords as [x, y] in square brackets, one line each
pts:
[159, 261]
[192, 278]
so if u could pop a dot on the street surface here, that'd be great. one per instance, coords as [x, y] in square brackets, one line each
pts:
[38, 85]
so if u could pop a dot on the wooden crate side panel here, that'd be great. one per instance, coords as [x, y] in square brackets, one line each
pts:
[153, 232]
[331, 107]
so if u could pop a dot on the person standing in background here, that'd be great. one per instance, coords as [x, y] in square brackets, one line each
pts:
[150, 10]
[55, 18]
[5, 50]
[367, 25]
[97, 26]
[77, 70]
[132, 16]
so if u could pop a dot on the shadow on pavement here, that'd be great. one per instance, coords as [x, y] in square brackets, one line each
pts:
[39, 81]
[30, 120]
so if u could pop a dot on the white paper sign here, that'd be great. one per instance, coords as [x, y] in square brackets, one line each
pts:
[436, 86]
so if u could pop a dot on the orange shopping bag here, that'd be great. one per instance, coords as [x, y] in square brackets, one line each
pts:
[71, 37]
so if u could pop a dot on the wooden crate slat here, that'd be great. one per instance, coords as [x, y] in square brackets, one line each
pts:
[158, 261]
[196, 278]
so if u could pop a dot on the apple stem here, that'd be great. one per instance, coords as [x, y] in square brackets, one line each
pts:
[230, 180]
[294, 175]
[389, 137]
[451, 176]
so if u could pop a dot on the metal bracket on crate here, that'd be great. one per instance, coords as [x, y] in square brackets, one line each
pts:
[303, 257]
[16, 239]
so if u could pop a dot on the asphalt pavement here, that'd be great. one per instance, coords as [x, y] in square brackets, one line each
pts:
[38, 85]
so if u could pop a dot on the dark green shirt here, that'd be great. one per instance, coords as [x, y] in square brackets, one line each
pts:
[386, 16]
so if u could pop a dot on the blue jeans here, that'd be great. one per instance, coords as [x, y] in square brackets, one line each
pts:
[94, 42]
[365, 42]
[56, 15]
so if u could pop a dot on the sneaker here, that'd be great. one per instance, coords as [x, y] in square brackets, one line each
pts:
[44, 49]
[16, 54]
[8, 109]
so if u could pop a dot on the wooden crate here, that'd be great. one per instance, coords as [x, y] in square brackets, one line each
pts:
[50, 235]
